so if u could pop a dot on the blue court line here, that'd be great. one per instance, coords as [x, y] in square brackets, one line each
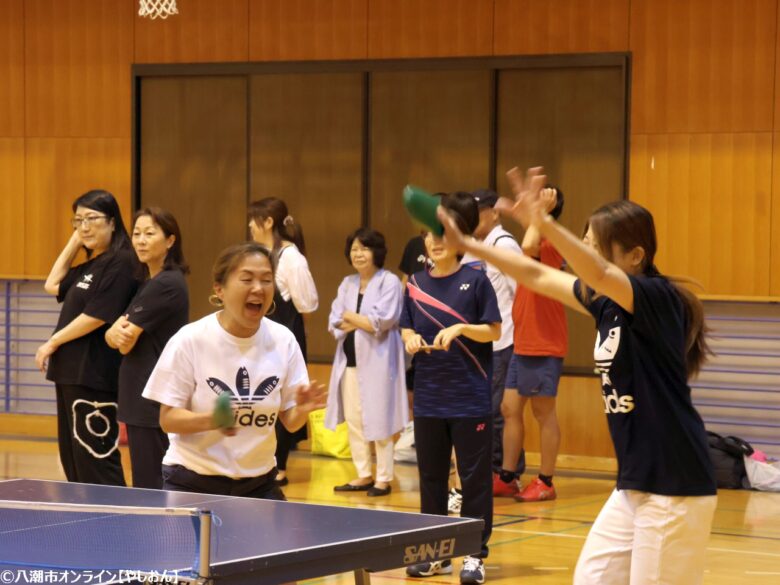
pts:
[515, 521]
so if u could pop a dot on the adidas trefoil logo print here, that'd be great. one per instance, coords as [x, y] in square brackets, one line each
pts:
[604, 354]
[242, 395]
[245, 398]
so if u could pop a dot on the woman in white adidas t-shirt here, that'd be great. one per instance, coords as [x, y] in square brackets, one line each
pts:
[234, 350]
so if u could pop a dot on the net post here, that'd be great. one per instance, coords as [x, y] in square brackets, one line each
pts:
[204, 546]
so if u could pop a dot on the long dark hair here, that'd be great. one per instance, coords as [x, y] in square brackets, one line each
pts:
[174, 259]
[105, 203]
[285, 227]
[630, 225]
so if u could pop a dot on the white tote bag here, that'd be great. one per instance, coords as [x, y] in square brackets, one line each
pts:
[763, 476]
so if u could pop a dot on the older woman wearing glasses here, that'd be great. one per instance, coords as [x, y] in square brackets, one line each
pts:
[76, 358]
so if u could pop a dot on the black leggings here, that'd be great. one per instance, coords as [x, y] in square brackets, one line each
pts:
[147, 448]
[434, 439]
[285, 442]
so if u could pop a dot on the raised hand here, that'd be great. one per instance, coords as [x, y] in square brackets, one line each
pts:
[549, 198]
[527, 208]
[452, 234]
[75, 241]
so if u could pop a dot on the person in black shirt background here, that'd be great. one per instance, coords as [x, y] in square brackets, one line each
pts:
[655, 526]
[414, 258]
[83, 368]
[159, 309]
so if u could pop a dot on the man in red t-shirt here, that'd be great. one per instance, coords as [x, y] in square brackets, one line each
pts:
[541, 343]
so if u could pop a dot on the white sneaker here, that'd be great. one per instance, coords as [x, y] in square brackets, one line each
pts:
[430, 569]
[454, 502]
[473, 571]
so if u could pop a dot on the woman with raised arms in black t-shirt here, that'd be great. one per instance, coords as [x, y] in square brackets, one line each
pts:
[650, 339]
[159, 309]
[83, 368]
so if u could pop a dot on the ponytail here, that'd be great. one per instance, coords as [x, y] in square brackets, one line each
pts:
[291, 231]
[284, 227]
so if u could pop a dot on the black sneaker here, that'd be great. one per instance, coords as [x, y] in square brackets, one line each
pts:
[430, 569]
[473, 571]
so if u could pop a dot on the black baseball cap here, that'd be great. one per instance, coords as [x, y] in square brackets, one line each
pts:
[485, 198]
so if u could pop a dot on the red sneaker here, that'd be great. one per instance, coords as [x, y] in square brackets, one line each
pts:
[502, 489]
[536, 491]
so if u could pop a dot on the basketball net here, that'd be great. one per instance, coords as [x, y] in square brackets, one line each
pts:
[157, 8]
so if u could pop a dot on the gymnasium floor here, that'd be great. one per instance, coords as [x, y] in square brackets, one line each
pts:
[532, 544]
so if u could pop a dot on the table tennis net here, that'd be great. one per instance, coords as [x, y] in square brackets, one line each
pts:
[86, 537]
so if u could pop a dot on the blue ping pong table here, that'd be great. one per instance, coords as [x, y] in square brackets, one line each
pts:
[251, 541]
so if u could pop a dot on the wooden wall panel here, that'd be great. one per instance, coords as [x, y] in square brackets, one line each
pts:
[428, 128]
[78, 55]
[282, 30]
[776, 80]
[528, 27]
[12, 68]
[581, 418]
[573, 123]
[194, 164]
[710, 197]
[703, 65]
[774, 240]
[429, 28]
[307, 149]
[12, 217]
[57, 170]
[203, 31]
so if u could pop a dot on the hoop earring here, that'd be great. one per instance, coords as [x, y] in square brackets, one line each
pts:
[272, 309]
[215, 301]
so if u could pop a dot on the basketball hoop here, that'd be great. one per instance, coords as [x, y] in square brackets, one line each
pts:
[157, 8]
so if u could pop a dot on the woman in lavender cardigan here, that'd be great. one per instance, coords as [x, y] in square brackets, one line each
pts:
[367, 383]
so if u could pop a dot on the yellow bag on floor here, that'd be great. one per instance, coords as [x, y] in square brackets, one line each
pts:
[327, 442]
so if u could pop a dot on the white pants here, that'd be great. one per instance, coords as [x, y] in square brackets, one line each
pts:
[361, 449]
[646, 539]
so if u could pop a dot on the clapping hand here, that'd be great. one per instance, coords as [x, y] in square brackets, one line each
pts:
[549, 198]
[529, 207]
[310, 397]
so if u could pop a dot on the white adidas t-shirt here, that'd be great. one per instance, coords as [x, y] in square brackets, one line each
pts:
[261, 372]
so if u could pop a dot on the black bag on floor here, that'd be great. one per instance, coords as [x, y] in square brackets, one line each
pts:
[727, 455]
